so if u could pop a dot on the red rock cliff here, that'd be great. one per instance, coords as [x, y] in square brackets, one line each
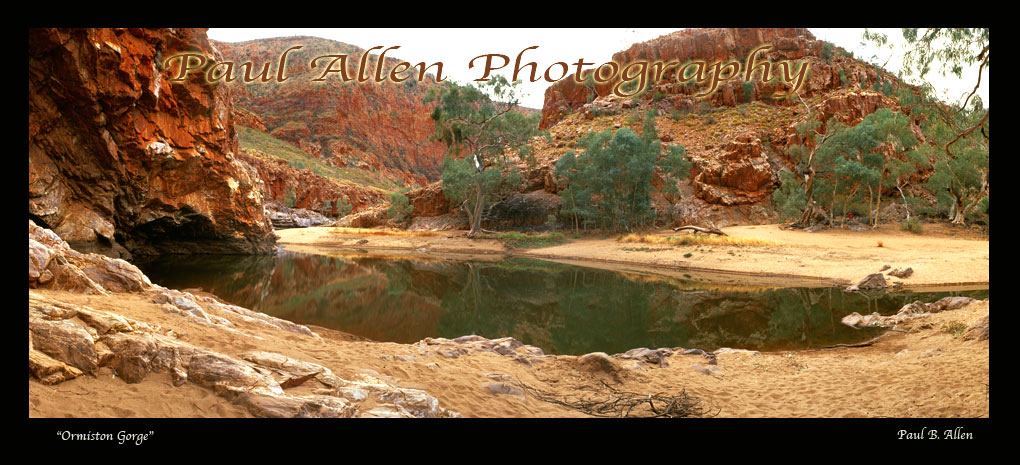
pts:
[711, 45]
[120, 157]
[382, 128]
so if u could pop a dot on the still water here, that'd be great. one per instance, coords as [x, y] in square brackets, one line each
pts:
[564, 309]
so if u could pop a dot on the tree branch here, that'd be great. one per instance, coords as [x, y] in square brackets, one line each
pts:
[966, 133]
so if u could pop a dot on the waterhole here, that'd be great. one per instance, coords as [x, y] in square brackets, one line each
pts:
[563, 309]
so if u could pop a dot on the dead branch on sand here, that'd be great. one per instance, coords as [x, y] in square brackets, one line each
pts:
[712, 230]
[621, 404]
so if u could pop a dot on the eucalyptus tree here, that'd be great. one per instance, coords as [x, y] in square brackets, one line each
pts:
[479, 131]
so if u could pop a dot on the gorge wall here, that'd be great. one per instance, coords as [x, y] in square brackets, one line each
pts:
[124, 161]
[380, 128]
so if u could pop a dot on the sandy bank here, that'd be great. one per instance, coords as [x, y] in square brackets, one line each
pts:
[824, 257]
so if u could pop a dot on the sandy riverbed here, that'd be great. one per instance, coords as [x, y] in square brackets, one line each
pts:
[832, 256]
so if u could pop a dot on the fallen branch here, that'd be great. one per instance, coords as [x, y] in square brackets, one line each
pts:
[701, 230]
[867, 343]
[620, 404]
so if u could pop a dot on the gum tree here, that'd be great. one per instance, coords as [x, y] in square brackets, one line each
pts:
[479, 131]
[958, 131]
[610, 183]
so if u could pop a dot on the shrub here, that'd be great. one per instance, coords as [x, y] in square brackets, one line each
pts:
[748, 90]
[290, 198]
[827, 51]
[913, 225]
[343, 207]
[400, 208]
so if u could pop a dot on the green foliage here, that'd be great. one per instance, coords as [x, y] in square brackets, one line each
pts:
[343, 207]
[789, 198]
[520, 240]
[400, 207]
[290, 198]
[913, 225]
[887, 88]
[827, 51]
[843, 81]
[748, 87]
[461, 180]
[479, 124]
[850, 169]
[950, 48]
[610, 185]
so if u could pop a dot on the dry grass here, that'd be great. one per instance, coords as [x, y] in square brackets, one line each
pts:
[384, 232]
[696, 239]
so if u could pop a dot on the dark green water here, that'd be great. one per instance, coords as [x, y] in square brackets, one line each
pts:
[563, 309]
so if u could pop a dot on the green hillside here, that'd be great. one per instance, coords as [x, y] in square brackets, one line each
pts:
[261, 145]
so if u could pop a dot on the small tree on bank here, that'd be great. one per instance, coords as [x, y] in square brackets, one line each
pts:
[478, 132]
[400, 207]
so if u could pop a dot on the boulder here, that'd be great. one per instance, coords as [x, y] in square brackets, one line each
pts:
[284, 217]
[902, 274]
[978, 331]
[872, 281]
[907, 312]
[599, 362]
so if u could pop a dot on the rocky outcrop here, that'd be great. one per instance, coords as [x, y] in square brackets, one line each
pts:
[429, 200]
[248, 119]
[564, 96]
[63, 345]
[52, 263]
[367, 218]
[908, 312]
[285, 217]
[122, 160]
[737, 173]
[69, 340]
[309, 190]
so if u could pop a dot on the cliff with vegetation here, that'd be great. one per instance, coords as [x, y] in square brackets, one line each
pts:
[741, 139]
[361, 139]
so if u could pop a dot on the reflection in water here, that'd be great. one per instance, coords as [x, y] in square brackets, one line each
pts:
[563, 309]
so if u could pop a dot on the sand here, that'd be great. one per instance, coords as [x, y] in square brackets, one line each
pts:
[921, 371]
[823, 257]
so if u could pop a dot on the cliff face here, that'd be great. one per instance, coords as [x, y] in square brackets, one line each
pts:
[381, 129]
[310, 191]
[122, 160]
